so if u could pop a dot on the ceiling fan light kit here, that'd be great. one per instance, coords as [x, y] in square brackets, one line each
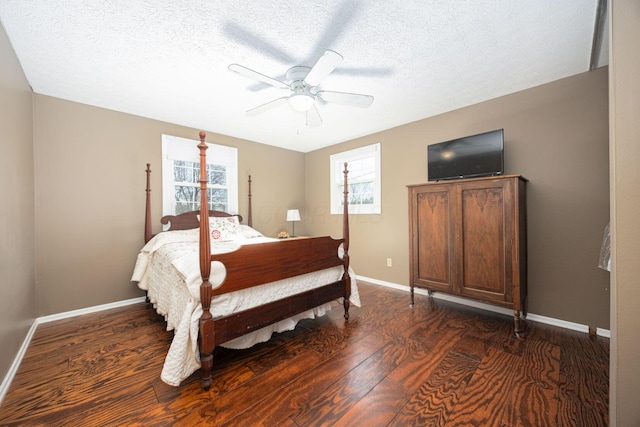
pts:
[301, 101]
[303, 82]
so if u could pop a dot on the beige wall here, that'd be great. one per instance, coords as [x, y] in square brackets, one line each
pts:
[17, 258]
[90, 180]
[556, 135]
[625, 204]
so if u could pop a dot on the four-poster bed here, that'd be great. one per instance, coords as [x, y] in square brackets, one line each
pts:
[236, 291]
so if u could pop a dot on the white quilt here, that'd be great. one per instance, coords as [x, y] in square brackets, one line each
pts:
[168, 269]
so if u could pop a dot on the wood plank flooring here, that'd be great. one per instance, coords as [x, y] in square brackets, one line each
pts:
[439, 364]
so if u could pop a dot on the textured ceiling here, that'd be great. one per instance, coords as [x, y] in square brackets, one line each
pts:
[168, 60]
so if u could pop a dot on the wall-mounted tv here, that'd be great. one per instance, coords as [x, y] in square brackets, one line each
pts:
[467, 157]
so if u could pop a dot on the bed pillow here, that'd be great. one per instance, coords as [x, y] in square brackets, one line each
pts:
[223, 228]
[249, 232]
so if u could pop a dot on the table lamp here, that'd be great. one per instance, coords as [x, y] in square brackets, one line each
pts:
[293, 215]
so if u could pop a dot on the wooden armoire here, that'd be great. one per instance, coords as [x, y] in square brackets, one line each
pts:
[468, 237]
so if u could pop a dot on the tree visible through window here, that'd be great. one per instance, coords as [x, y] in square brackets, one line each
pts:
[181, 176]
[363, 180]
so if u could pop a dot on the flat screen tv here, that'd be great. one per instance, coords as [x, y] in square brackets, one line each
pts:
[468, 157]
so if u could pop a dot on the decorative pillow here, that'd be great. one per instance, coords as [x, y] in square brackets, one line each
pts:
[223, 228]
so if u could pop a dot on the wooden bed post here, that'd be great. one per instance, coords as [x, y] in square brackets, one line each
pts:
[249, 217]
[206, 336]
[147, 212]
[345, 246]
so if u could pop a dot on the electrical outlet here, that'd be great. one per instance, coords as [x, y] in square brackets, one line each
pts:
[389, 262]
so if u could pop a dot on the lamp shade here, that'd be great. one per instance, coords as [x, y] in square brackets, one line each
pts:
[293, 215]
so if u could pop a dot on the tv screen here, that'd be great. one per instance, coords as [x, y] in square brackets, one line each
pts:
[468, 157]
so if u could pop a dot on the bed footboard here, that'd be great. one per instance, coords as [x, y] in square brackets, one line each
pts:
[254, 265]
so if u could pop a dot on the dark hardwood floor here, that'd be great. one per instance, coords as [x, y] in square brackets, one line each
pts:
[439, 364]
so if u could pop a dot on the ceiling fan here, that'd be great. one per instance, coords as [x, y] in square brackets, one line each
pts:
[303, 82]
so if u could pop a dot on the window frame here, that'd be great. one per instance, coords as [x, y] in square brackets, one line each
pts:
[337, 161]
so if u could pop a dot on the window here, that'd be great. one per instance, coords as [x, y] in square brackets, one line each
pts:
[364, 180]
[181, 175]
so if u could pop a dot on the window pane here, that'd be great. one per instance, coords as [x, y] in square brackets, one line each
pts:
[190, 172]
[359, 170]
[186, 198]
[186, 193]
[186, 171]
[356, 169]
[218, 199]
[217, 174]
[359, 193]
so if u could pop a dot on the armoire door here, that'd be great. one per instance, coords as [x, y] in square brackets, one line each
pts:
[484, 239]
[432, 249]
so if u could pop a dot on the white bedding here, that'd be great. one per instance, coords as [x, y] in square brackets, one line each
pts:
[168, 269]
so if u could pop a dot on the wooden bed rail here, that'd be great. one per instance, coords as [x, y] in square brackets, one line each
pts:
[274, 261]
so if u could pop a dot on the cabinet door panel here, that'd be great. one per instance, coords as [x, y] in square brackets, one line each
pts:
[434, 250]
[485, 240]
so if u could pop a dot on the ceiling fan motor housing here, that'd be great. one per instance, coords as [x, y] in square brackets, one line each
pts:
[302, 99]
[297, 74]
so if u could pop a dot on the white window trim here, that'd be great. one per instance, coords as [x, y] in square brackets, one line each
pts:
[337, 166]
[176, 148]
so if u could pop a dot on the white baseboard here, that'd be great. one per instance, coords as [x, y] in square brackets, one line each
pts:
[13, 369]
[489, 307]
[94, 309]
[558, 322]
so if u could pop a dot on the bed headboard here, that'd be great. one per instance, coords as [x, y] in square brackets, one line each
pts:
[189, 220]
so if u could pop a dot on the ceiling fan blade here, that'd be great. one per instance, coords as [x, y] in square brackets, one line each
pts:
[247, 72]
[334, 30]
[313, 117]
[324, 66]
[244, 36]
[268, 106]
[364, 71]
[346, 98]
